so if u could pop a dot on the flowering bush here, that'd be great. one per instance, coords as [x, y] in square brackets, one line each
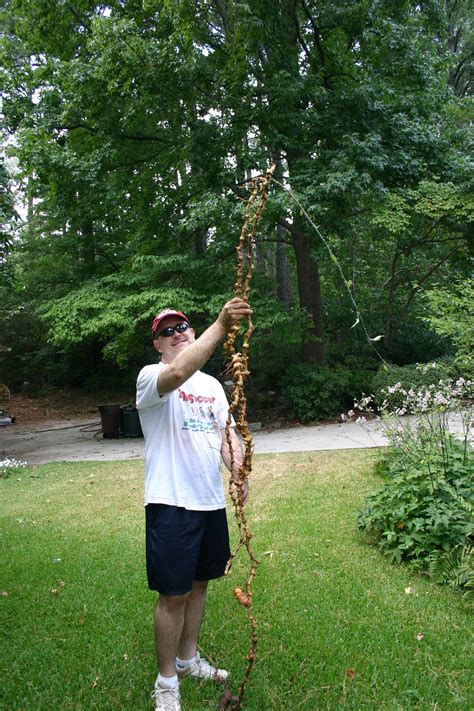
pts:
[10, 466]
[426, 507]
[416, 376]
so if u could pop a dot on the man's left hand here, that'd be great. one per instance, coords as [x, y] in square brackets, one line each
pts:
[244, 492]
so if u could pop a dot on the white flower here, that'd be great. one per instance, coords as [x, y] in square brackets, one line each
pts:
[12, 463]
[8, 465]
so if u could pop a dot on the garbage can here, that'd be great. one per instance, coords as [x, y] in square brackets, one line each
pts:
[131, 426]
[110, 417]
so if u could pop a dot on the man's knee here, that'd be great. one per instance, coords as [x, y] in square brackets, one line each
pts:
[200, 585]
[172, 603]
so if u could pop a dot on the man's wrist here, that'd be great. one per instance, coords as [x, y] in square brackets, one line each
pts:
[220, 327]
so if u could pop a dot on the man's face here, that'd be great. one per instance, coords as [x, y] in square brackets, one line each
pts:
[170, 346]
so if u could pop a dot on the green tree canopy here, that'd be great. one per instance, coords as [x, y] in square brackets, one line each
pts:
[136, 125]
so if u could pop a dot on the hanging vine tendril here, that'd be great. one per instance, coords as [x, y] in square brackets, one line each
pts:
[335, 260]
[238, 366]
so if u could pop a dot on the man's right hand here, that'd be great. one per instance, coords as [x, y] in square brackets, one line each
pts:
[234, 310]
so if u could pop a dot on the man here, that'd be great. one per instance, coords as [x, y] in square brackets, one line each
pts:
[183, 414]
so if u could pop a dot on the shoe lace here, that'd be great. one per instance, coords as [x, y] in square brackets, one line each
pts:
[168, 697]
[210, 672]
[206, 669]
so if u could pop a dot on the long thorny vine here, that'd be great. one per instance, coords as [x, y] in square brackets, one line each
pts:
[238, 365]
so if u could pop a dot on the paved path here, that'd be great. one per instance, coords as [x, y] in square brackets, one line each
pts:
[75, 441]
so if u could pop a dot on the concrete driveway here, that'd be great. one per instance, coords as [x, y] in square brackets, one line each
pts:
[81, 440]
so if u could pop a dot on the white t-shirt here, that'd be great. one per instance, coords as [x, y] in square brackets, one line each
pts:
[183, 441]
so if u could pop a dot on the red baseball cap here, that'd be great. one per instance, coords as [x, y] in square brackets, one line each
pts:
[164, 314]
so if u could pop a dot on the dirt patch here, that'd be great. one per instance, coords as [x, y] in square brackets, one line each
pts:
[62, 405]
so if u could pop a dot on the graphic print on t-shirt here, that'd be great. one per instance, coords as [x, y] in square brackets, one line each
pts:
[199, 415]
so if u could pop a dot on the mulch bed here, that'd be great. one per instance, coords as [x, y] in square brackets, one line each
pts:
[61, 405]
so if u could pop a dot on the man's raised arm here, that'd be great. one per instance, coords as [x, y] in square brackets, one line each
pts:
[189, 360]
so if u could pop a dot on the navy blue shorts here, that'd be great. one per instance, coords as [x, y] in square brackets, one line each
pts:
[182, 546]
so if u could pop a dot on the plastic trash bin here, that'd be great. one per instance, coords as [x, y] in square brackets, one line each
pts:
[110, 418]
[131, 426]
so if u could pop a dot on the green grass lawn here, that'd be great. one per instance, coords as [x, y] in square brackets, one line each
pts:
[336, 627]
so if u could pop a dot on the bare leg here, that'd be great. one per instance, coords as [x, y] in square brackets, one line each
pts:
[193, 614]
[169, 622]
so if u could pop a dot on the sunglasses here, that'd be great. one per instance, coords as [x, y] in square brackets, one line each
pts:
[169, 330]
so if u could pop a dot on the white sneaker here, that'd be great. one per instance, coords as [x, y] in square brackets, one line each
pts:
[166, 699]
[201, 669]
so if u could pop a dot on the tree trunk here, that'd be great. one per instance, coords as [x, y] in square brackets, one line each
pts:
[309, 292]
[388, 333]
[200, 242]
[309, 283]
[283, 274]
[259, 258]
[282, 266]
[87, 251]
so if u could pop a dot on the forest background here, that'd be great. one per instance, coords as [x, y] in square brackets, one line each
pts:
[131, 129]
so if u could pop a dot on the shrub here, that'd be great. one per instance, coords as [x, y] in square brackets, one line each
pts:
[424, 515]
[452, 316]
[414, 342]
[320, 392]
[455, 568]
[420, 511]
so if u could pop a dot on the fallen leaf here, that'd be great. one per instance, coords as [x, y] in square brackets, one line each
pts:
[350, 673]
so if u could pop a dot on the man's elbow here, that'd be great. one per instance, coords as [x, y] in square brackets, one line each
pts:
[171, 379]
